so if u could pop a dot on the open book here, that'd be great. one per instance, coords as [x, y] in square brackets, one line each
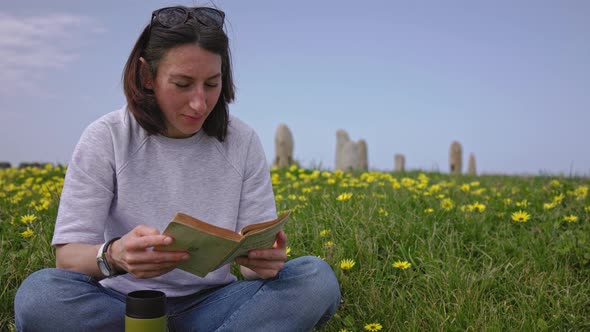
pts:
[210, 246]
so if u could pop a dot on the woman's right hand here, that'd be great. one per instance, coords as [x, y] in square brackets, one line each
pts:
[133, 253]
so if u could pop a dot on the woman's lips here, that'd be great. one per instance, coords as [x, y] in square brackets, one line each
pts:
[191, 118]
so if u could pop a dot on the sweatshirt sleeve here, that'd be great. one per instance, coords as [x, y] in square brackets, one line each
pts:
[89, 188]
[257, 203]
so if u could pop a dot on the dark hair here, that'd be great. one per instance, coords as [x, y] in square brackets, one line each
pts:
[152, 45]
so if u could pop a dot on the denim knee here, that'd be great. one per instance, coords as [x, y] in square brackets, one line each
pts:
[319, 283]
[38, 295]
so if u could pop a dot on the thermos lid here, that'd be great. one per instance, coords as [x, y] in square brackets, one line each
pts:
[145, 304]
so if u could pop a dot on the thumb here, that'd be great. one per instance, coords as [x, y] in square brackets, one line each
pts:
[143, 230]
[281, 240]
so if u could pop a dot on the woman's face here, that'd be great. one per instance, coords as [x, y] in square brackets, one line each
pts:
[187, 87]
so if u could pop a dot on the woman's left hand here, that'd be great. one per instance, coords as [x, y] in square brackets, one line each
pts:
[266, 263]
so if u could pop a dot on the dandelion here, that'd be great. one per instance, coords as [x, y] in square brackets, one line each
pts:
[428, 210]
[402, 265]
[581, 192]
[465, 188]
[478, 207]
[570, 218]
[347, 264]
[329, 244]
[344, 197]
[28, 233]
[507, 201]
[288, 251]
[549, 206]
[383, 212]
[521, 216]
[447, 204]
[523, 203]
[557, 199]
[325, 232]
[373, 327]
[28, 218]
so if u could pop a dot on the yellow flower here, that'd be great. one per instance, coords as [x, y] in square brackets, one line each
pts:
[523, 203]
[347, 264]
[549, 206]
[428, 210]
[478, 207]
[288, 251]
[507, 201]
[581, 192]
[28, 218]
[465, 188]
[521, 216]
[557, 199]
[329, 244]
[28, 233]
[447, 204]
[555, 183]
[325, 232]
[373, 327]
[344, 197]
[401, 265]
[570, 218]
[383, 212]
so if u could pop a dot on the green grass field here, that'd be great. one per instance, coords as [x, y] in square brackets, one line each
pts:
[412, 252]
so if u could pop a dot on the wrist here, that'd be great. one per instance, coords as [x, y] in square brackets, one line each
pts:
[111, 260]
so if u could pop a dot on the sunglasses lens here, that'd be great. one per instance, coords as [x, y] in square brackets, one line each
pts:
[209, 17]
[171, 17]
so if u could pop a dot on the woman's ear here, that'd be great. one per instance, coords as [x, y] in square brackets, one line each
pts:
[145, 74]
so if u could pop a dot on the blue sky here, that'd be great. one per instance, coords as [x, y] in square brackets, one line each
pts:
[510, 80]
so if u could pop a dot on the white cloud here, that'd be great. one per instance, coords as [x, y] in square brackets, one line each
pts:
[31, 46]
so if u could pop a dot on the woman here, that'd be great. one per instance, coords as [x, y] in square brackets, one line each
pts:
[173, 148]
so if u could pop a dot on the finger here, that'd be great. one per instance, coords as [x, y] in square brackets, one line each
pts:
[260, 264]
[148, 241]
[278, 254]
[266, 273]
[155, 257]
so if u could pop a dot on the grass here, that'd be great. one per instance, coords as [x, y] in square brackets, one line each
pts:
[472, 266]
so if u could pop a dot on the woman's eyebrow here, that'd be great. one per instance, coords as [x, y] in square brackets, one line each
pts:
[191, 78]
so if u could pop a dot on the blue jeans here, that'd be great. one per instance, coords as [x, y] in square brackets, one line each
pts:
[303, 295]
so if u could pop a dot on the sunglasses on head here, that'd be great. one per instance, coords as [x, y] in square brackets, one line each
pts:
[171, 17]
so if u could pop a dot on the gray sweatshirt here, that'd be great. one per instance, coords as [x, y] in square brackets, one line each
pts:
[120, 177]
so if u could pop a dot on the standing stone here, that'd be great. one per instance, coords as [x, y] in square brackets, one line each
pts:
[400, 163]
[363, 155]
[350, 156]
[471, 170]
[455, 158]
[341, 139]
[283, 146]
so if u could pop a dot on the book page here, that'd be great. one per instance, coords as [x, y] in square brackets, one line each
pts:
[260, 239]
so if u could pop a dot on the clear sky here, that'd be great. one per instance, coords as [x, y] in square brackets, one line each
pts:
[510, 80]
